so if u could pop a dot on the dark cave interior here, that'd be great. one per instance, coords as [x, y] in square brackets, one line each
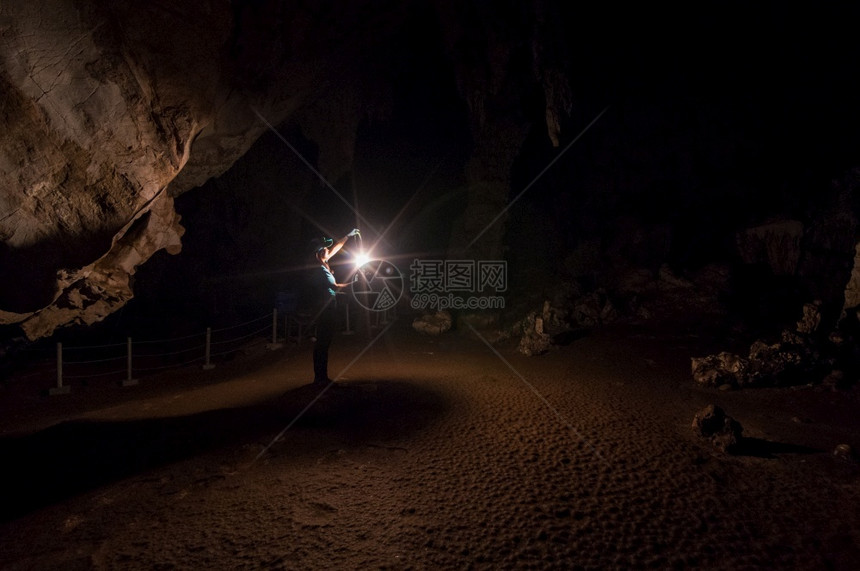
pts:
[673, 192]
[717, 119]
[715, 123]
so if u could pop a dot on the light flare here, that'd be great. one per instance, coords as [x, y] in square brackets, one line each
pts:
[361, 259]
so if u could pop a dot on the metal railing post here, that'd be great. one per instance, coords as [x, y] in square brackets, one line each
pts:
[129, 381]
[60, 389]
[348, 330]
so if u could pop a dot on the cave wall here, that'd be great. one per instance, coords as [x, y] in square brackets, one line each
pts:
[96, 126]
[110, 110]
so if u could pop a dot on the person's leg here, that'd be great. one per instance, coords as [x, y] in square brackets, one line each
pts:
[325, 332]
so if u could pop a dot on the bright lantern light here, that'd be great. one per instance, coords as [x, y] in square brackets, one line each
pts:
[361, 259]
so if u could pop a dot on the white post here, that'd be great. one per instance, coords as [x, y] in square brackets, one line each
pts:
[206, 364]
[274, 344]
[129, 380]
[59, 389]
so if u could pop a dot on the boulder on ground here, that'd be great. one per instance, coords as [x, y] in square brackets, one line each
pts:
[774, 364]
[720, 369]
[836, 380]
[668, 279]
[433, 323]
[539, 328]
[845, 453]
[713, 424]
[777, 245]
[535, 339]
[811, 318]
[594, 309]
[794, 358]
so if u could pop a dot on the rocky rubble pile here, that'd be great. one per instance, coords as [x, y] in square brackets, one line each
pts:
[541, 329]
[536, 328]
[798, 357]
[433, 323]
[639, 296]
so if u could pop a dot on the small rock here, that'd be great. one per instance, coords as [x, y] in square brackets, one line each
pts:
[725, 387]
[811, 319]
[835, 380]
[720, 369]
[535, 341]
[714, 424]
[433, 324]
[668, 278]
[845, 452]
[594, 309]
[836, 338]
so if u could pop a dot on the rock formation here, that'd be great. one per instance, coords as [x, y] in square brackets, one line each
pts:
[535, 340]
[109, 110]
[797, 357]
[95, 129]
[435, 323]
[713, 424]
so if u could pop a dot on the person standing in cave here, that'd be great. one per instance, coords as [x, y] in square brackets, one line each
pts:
[324, 288]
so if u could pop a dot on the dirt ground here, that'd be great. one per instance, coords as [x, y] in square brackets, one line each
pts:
[430, 452]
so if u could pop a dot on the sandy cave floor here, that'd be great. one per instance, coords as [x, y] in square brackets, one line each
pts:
[430, 453]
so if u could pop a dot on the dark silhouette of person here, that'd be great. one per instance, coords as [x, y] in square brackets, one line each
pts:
[324, 288]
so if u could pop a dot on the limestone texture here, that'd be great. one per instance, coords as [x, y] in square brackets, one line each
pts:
[110, 110]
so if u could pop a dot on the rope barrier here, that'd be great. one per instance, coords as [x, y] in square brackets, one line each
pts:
[222, 353]
[240, 338]
[131, 357]
[31, 375]
[171, 340]
[128, 374]
[79, 347]
[169, 354]
[94, 361]
[172, 366]
[242, 324]
[91, 375]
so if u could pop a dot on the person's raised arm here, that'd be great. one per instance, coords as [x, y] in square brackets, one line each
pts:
[340, 243]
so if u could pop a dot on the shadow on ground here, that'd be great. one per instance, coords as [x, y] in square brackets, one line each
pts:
[761, 448]
[73, 457]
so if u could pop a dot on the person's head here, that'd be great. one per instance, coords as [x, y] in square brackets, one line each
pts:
[321, 248]
[322, 254]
